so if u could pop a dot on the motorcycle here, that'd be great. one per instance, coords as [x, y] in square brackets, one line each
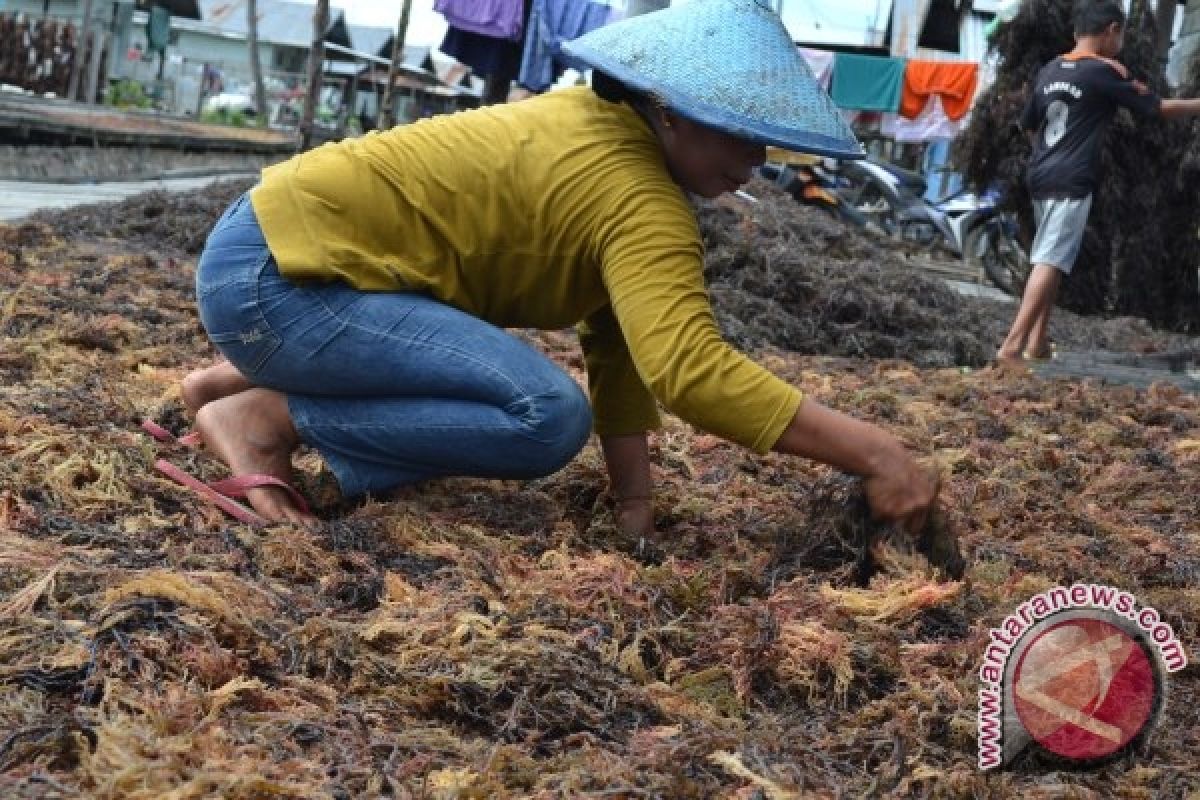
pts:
[992, 243]
[812, 181]
[968, 225]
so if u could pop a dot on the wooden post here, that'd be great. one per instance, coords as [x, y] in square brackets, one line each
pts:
[95, 56]
[77, 59]
[386, 116]
[260, 90]
[351, 98]
[316, 64]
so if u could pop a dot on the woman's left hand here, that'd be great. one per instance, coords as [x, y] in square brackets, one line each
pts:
[628, 460]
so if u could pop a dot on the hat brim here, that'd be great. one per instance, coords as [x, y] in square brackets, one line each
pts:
[718, 118]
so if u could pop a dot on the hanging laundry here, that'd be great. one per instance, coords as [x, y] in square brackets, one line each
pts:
[821, 64]
[867, 83]
[487, 56]
[953, 81]
[552, 22]
[502, 19]
[932, 123]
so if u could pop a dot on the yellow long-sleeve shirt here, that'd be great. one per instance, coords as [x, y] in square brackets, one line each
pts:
[539, 214]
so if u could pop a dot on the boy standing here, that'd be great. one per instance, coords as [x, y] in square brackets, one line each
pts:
[1074, 99]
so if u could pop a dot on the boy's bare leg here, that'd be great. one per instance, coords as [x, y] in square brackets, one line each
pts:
[1039, 338]
[1037, 301]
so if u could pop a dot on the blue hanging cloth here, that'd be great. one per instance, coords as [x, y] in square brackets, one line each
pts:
[552, 22]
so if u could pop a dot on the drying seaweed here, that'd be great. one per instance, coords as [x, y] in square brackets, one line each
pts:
[790, 277]
[840, 537]
[1140, 253]
[170, 222]
[472, 638]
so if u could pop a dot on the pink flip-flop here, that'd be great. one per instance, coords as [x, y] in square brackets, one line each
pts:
[222, 493]
[163, 435]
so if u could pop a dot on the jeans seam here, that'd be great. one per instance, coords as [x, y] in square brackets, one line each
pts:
[525, 429]
[368, 426]
[384, 426]
[464, 354]
[268, 327]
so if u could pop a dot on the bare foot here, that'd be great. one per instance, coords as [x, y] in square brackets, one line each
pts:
[1009, 359]
[252, 432]
[1009, 356]
[1009, 366]
[211, 383]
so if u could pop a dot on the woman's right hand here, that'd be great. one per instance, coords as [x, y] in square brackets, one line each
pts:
[900, 490]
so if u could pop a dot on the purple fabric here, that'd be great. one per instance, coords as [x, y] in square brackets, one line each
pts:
[501, 19]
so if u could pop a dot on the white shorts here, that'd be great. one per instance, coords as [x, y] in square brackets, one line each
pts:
[1061, 222]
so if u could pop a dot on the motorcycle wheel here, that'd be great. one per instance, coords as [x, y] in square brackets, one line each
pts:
[852, 215]
[1003, 260]
[870, 205]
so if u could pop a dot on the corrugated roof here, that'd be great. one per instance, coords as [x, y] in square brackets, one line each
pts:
[415, 56]
[279, 21]
[379, 76]
[370, 39]
[416, 60]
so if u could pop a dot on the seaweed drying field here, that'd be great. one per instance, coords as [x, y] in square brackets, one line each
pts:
[499, 639]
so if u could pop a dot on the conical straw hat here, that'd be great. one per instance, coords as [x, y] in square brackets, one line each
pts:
[726, 64]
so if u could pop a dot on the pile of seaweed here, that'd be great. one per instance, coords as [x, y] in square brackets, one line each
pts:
[791, 277]
[470, 639]
[1141, 252]
[171, 222]
[780, 275]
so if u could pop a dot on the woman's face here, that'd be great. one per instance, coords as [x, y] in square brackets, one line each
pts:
[704, 161]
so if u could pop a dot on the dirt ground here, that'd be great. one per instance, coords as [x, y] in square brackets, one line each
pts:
[477, 639]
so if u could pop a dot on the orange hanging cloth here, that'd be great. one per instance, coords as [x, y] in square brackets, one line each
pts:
[954, 81]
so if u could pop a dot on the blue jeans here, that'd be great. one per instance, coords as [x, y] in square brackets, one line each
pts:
[389, 387]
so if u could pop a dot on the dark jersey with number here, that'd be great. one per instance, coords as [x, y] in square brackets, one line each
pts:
[1073, 101]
